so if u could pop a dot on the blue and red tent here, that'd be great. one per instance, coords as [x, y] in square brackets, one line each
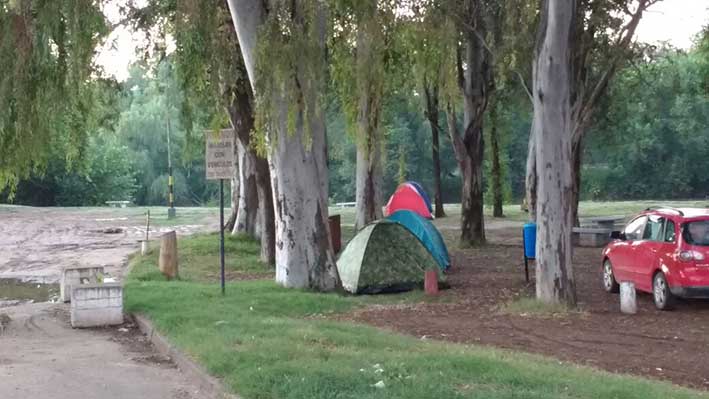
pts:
[410, 196]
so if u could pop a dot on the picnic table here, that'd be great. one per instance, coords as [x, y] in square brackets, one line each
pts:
[116, 204]
[594, 237]
[605, 222]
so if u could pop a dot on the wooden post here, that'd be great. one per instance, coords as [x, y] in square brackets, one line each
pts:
[431, 282]
[168, 255]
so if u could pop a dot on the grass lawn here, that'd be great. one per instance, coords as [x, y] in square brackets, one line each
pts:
[269, 342]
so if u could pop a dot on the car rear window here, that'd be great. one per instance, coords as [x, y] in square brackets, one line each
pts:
[696, 233]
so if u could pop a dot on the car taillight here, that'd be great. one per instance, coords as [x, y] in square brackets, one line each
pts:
[688, 256]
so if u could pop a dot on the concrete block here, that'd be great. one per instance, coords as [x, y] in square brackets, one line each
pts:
[76, 275]
[94, 305]
[628, 303]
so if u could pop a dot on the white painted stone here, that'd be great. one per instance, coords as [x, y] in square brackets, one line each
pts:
[74, 275]
[94, 305]
[628, 304]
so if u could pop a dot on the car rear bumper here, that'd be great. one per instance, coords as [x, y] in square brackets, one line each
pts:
[691, 292]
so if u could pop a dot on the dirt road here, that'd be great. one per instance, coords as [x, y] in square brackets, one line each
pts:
[42, 357]
[36, 243]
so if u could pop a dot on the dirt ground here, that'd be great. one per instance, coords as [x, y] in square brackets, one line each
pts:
[42, 357]
[36, 243]
[663, 345]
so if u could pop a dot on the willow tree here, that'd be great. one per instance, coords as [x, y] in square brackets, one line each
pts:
[283, 48]
[361, 41]
[46, 91]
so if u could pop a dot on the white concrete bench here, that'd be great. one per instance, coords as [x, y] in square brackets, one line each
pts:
[95, 305]
[116, 204]
[77, 275]
[346, 204]
[591, 236]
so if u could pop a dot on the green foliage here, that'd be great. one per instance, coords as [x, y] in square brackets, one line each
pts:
[143, 126]
[294, 31]
[652, 141]
[46, 95]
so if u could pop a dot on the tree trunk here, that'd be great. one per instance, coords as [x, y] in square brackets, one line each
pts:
[476, 84]
[432, 112]
[472, 219]
[552, 132]
[235, 190]
[266, 215]
[577, 156]
[472, 229]
[497, 194]
[369, 137]
[255, 215]
[531, 179]
[247, 217]
[297, 158]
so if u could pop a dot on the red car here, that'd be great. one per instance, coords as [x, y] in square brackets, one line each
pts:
[664, 251]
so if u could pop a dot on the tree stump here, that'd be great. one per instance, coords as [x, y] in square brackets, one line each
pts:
[168, 255]
[628, 304]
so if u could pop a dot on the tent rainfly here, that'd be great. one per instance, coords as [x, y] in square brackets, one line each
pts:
[384, 257]
[426, 232]
[407, 196]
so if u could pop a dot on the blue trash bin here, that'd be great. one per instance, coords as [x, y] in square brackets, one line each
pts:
[529, 233]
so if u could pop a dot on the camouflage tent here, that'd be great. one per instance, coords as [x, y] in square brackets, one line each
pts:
[384, 256]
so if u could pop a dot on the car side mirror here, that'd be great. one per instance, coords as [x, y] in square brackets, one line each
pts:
[618, 235]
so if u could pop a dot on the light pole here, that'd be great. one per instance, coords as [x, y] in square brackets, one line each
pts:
[171, 212]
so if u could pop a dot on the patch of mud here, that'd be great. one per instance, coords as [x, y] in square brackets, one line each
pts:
[15, 292]
[136, 345]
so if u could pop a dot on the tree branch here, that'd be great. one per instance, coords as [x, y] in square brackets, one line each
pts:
[622, 43]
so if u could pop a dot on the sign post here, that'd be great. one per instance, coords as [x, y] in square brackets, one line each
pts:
[220, 165]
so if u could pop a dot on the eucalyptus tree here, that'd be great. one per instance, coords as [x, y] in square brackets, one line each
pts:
[552, 129]
[602, 42]
[283, 48]
[46, 58]
[581, 45]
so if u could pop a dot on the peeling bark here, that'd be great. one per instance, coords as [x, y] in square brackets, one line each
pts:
[553, 135]
[531, 176]
[247, 217]
[235, 189]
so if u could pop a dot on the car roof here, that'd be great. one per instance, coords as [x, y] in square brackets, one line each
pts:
[682, 213]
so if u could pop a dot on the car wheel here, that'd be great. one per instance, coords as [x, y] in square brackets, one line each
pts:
[609, 283]
[664, 300]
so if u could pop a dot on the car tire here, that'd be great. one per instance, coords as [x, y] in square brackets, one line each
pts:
[661, 294]
[609, 282]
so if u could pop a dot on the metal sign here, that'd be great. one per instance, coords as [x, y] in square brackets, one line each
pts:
[220, 154]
